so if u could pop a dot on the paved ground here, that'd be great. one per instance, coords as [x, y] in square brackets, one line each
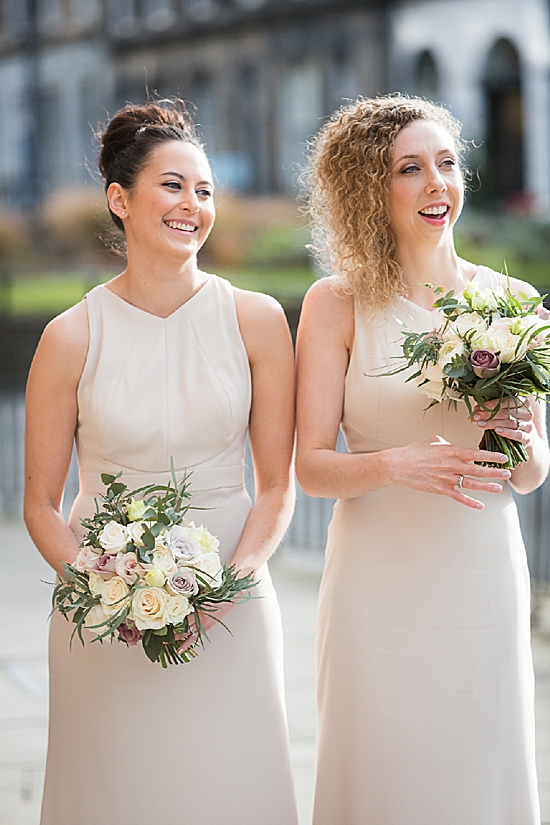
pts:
[24, 604]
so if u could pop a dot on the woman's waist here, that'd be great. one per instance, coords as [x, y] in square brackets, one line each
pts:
[199, 479]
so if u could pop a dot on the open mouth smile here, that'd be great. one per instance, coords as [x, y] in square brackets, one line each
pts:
[179, 226]
[435, 214]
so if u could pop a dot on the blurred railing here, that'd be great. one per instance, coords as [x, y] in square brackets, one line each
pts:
[312, 515]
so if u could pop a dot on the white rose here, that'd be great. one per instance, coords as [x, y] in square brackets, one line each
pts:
[177, 607]
[127, 566]
[183, 545]
[134, 531]
[509, 347]
[449, 351]
[163, 559]
[531, 324]
[210, 565]
[96, 616]
[113, 538]
[433, 389]
[86, 559]
[149, 610]
[113, 595]
[431, 372]
[208, 542]
[468, 322]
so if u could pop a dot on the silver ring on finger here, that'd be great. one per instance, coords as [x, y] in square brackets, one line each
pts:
[518, 424]
[460, 482]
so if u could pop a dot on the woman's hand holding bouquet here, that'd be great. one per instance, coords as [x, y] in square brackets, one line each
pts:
[145, 573]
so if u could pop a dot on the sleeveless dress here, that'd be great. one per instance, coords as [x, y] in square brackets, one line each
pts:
[203, 743]
[425, 676]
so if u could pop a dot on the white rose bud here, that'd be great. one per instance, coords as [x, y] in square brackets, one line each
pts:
[177, 607]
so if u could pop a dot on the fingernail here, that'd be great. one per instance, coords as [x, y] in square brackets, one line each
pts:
[479, 505]
[497, 488]
[481, 423]
[499, 430]
[476, 417]
[502, 457]
[506, 474]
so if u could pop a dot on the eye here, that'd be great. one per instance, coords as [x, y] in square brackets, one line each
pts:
[412, 167]
[449, 162]
[204, 193]
[172, 184]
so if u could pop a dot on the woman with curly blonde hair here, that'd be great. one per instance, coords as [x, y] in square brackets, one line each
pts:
[425, 679]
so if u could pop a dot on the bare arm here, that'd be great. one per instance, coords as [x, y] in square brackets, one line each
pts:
[324, 343]
[51, 416]
[271, 431]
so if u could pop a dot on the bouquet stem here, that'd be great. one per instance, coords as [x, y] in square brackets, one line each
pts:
[496, 443]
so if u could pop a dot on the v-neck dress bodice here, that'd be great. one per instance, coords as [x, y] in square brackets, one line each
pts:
[206, 742]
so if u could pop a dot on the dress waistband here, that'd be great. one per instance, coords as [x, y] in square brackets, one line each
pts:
[201, 480]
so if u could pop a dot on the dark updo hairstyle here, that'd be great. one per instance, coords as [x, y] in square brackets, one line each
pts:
[133, 133]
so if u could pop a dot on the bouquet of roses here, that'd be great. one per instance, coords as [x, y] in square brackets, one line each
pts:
[491, 346]
[145, 573]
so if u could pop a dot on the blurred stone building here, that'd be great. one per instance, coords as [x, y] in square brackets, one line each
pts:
[263, 74]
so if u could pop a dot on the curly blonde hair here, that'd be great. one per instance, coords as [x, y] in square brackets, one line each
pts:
[346, 183]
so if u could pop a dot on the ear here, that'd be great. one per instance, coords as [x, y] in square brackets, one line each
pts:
[117, 198]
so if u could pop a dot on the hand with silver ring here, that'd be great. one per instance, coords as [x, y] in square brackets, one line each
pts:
[460, 482]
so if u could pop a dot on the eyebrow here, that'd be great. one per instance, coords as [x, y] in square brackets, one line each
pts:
[182, 178]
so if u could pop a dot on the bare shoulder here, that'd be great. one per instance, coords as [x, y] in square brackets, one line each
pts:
[327, 309]
[64, 342]
[262, 322]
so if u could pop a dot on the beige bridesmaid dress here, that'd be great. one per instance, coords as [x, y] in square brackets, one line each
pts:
[203, 743]
[425, 677]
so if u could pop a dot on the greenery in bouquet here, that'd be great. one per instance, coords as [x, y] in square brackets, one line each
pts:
[492, 346]
[145, 573]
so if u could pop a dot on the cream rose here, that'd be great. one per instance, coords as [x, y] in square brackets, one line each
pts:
[96, 616]
[208, 542]
[113, 594]
[431, 372]
[127, 567]
[136, 509]
[149, 610]
[134, 532]
[95, 583]
[433, 389]
[113, 537]
[163, 559]
[210, 565]
[177, 607]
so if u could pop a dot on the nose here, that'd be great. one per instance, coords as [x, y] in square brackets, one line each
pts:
[435, 182]
[189, 202]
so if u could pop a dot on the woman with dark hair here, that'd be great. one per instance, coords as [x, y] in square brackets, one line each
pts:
[166, 361]
[425, 678]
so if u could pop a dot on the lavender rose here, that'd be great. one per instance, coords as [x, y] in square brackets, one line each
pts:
[183, 582]
[130, 635]
[485, 363]
[105, 565]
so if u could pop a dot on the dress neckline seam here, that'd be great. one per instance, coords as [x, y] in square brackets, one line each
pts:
[424, 309]
[151, 314]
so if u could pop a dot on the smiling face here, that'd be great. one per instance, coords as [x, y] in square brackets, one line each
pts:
[426, 185]
[170, 211]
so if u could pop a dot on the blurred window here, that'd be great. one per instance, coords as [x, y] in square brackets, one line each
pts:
[300, 113]
[51, 14]
[85, 12]
[15, 17]
[52, 139]
[121, 17]
[502, 177]
[203, 96]
[427, 80]
[158, 14]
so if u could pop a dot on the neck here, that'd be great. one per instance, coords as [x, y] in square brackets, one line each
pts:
[439, 265]
[158, 287]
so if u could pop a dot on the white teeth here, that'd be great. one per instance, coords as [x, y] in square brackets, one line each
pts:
[186, 227]
[434, 210]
